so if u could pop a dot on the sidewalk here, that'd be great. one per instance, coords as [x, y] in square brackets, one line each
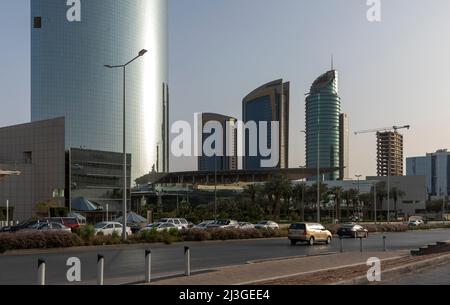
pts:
[269, 270]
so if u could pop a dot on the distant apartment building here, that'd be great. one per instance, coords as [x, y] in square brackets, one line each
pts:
[389, 154]
[323, 109]
[344, 147]
[269, 103]
[225, 154]
[436, 168]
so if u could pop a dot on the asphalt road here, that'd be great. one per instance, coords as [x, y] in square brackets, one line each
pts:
[126, 265]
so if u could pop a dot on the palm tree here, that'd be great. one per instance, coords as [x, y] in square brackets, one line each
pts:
[396, 195]
[350, 196]
[299, 193]
[252, 190]
[275, 189]
[337, 192]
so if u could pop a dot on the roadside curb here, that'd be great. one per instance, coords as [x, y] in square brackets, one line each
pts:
[308, 273]
[362, 280]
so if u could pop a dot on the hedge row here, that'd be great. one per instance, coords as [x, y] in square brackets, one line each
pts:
[85, 237]
[38, 240]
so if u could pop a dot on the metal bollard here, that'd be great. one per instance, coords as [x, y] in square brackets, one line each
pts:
[361, 245]
[41, 272]
[148, 266]
[341, 243]
[384, 243]
[187, 261]
[100, 269]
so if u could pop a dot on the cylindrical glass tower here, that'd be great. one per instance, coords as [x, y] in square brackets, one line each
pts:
[323, 106]
[68, 77]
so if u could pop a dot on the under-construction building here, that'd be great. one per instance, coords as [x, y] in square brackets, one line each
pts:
[389, 154]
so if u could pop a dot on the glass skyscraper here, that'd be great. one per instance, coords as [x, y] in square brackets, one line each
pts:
[268, 103]
[226, 157]
[68, 77]
[323, 108]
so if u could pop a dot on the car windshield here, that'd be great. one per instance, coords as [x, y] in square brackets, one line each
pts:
[100, 225]
[222, 222]
[298, 226]
[263, 223]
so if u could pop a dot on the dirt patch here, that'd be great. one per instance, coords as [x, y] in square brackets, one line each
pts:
[342, 274]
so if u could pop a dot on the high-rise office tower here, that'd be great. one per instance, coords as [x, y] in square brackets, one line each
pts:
[323, 108]
[344, 147]
[269, 103]
[436, 168]
[226, 157]
[71, 43]
[389, 154]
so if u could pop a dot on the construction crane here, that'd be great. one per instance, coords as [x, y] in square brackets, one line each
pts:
[386, 129]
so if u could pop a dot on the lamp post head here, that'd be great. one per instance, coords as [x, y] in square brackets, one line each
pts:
[142, 52]
[108, 66]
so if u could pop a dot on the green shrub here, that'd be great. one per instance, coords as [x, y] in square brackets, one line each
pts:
[86, 233]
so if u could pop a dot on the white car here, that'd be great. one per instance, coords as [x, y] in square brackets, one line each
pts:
[161, 226]
[246, 226]
[267, 225]
[53, 226]
[416, 223]
[108, 228]
[181, 223]
[203, 225]
[223, 224]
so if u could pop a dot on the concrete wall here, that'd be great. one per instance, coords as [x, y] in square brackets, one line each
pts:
[37, 150]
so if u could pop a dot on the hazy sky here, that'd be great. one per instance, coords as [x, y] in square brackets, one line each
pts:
[394, 72]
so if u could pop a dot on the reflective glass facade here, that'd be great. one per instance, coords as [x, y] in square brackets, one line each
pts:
[97, 176]
[436, 168]
[269, 103]
[69, 78]
[226, 158]
[323, 107]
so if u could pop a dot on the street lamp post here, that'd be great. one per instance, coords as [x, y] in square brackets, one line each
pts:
[359, 203]
[123, 67]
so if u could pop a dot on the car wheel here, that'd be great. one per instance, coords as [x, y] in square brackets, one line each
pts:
[293, 242]
[328, 240]
[311, 241]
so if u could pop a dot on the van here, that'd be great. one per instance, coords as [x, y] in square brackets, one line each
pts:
[310, 233]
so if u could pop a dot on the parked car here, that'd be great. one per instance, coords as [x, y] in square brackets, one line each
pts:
[246, 226]
[181, 223]
[29, 224]
[70, 222]
[352, 230]
[223, 224]
[108, 228]
[267, 225]
[161, 226]
[416, 223]
[354, 219]
[310, 233]
[203, 225]
[52, 226]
